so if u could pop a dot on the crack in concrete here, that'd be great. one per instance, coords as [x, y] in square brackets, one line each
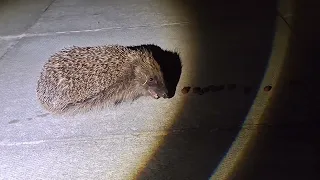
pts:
[48, 6]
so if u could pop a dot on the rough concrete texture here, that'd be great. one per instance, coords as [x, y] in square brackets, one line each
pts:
[18, 15]
[83, 15]
[184, 137]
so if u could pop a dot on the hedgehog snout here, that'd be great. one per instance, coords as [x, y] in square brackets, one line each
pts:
[159, 92]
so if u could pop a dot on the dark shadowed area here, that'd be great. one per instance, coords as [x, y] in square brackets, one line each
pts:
[170, 65]
[288, 147]
[234, 41]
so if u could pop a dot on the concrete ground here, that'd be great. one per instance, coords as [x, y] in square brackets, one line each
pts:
[184, 137]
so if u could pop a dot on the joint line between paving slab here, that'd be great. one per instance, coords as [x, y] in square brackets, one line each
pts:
[84, 139]
[144, 134]
[10, 37]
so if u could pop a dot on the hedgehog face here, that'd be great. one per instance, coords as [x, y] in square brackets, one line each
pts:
[155, 87]
[151, 79]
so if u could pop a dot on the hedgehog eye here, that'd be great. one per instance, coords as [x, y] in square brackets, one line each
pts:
[150, 79]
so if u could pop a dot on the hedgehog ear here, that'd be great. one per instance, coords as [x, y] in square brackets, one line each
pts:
[139, 71]
[140, 74]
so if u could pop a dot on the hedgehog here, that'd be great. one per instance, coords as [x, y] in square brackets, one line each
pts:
[78, 79]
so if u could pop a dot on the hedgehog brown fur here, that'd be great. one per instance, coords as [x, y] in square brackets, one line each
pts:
[81, 78]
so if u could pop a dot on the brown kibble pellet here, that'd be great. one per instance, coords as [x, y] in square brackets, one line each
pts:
[197, 90]
[267, 88]
[231, 86]
[185, 90]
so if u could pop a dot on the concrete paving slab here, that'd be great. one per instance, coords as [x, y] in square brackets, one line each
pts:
[24, 120]
[17, 16]
[108, 158]
[77, 15]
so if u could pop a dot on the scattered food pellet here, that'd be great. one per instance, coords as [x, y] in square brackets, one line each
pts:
[231, 86]
[185, 90]
[267, 88]
[247, 90]
[214, 88]
[197, 90]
